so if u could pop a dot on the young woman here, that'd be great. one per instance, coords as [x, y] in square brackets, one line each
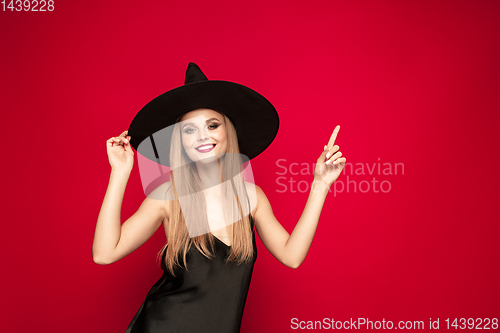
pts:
[208, 208]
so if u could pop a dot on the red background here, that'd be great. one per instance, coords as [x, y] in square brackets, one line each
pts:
[412, 82]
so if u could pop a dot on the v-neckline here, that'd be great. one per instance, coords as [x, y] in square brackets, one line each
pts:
[229, 246]
[220, 240]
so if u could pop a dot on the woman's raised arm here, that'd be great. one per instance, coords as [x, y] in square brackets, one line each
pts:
[112, 240]
[291, 250]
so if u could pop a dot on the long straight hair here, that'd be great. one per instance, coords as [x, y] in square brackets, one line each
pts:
[187, 183]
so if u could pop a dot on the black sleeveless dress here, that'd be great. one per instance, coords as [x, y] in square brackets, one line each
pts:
[210, 297]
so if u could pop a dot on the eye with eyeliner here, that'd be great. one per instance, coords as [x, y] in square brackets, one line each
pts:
[212, 126]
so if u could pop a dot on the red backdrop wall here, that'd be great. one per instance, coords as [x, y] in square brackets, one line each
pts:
[413, 84]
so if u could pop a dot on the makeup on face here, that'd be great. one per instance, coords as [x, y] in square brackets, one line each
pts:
[203, 134]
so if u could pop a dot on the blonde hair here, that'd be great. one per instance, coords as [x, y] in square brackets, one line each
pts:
[186, 180]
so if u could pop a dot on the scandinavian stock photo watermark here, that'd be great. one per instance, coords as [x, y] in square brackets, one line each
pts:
[355, 177]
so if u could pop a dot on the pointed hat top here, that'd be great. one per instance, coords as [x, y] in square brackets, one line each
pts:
[194, 74]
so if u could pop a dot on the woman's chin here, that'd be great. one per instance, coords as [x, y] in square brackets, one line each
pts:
[208, 159]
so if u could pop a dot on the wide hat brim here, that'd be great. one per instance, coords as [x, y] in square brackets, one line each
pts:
[255, 119]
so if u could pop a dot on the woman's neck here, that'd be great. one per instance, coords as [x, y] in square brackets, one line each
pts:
[210, 174]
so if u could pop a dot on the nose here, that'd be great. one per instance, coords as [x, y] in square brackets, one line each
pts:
[203, 134]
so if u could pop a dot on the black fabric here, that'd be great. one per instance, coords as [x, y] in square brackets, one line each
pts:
[210, 297]
[194, 74]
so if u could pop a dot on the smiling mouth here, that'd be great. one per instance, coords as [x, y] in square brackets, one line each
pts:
[206, 148]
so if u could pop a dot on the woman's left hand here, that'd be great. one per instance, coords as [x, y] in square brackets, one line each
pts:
[330, 163]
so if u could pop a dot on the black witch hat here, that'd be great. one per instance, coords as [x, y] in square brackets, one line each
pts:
[255, 119]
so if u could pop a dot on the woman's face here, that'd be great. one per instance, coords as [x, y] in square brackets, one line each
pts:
[203, 135]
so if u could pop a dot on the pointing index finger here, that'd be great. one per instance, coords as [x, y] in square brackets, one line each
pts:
[333, 137]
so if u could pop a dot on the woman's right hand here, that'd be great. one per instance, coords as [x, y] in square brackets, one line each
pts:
[120, 153]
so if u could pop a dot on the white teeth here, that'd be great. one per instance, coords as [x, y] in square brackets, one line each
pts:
[206, 147]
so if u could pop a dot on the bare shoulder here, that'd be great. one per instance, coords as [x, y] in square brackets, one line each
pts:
[159, 198]
[263, 206]
[255, 195]
[262, 200]
[255, 189]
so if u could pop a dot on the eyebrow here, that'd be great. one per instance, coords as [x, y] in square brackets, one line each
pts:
[210, 119]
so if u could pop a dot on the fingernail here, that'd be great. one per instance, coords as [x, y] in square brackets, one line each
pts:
[328, 154]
